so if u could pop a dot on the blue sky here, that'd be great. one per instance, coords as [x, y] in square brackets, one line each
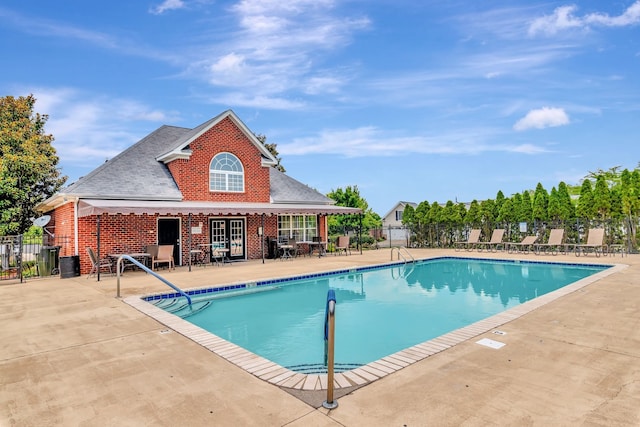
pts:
[413, 101]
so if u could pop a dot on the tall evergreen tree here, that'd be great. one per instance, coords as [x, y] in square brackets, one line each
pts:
[540, 203]
[526, 208]
[602, 198]
[585, 209]
[567, 211]
[554, 212]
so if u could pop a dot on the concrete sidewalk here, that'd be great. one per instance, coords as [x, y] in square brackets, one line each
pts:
[73, 354]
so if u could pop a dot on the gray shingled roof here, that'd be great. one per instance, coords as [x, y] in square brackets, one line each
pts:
[135, 174]
[285, 189]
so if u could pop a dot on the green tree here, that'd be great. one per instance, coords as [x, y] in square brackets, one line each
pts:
[540, 203]
[630, 201]
[526, 208]
[507, 212]
[350, 197]
[273, 150]
[567, 210]
[473, 216]
[498, 203]
[585, 209]
[28, 164]
[554, 211]
[602, 198]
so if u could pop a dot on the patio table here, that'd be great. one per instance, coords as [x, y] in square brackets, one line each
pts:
[319, 246]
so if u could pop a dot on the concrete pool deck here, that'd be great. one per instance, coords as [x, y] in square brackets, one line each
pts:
[73, 354]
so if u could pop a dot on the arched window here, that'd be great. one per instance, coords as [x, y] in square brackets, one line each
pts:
[226, 173]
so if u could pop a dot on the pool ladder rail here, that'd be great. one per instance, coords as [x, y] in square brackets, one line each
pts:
[403, 253]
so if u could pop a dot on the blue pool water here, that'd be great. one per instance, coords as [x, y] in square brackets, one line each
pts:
[379, 310]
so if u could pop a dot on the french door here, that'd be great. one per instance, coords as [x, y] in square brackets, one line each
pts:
[229, 233]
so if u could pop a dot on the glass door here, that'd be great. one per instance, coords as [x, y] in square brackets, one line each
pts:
[229, 234]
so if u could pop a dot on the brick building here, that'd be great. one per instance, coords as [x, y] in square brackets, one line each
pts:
[213, 184]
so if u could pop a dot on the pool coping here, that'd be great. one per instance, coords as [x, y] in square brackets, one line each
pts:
[283, 377]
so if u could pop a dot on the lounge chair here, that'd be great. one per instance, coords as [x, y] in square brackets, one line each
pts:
[98, 264]
[472, 241]
[342, 245]
[496, 240]
[595, 243]
[164, 256]
[527, 244]
[554, 243]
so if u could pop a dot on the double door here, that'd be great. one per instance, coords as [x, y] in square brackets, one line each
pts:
[229, 234]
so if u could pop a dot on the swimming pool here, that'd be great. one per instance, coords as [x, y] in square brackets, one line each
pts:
[282, 321]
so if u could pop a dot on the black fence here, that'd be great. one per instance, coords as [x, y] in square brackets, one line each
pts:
[441, 235]
[23, 257]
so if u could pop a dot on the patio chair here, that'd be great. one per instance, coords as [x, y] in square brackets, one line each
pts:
[472, 241]
[595, 243]
[554, 243]
[342, 245]
[527, 244]
[496, 240]
[164, 256]
[98, 264]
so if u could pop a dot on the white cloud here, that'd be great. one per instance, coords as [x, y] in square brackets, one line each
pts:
[167, 5]
[90, 128]
[563, 18]
[542, 118]
[276, 46]
[370, 141]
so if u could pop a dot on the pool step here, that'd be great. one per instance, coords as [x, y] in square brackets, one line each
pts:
[320, 368]
[165, 303]
[185, 311]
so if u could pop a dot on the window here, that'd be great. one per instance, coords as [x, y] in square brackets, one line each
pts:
[303, 228]
[399, 215]
[226, 173]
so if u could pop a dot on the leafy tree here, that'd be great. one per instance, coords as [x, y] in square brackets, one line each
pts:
[507, 212]
[630, 201]
[273, 150]
[350, 197]
[28, 164]
[409, 215]
[498, 203]
[473, 216]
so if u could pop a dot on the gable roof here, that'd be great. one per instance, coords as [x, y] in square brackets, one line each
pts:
[140, 173]
[180, 150]
[400, 204]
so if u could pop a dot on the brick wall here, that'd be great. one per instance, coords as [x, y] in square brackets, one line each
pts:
[192, 175]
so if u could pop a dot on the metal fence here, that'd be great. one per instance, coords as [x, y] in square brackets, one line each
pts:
[441, 235]
[23, 257]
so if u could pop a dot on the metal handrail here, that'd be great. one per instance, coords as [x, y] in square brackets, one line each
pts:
[399, 249]
[329, 337]
[148, 270]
